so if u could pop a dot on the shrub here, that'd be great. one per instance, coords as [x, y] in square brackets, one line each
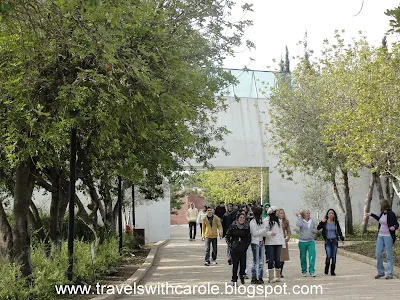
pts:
[48, 272]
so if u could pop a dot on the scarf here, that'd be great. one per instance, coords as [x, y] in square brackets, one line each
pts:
[264, 214]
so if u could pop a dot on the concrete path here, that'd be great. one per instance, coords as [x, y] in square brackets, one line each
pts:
[181, 262]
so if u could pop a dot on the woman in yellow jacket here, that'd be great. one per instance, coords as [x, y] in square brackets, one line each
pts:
[211, 225]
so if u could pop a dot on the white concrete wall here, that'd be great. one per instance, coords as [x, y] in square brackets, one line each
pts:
[152, 216]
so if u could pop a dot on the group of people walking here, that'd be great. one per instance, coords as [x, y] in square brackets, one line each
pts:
[265, 231]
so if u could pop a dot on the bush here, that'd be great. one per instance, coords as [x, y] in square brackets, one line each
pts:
[49, 272]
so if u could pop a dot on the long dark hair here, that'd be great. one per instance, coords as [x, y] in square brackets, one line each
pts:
[273, 218]
[335, 219]
[257, 212]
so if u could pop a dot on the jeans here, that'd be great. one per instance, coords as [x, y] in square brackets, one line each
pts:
[238, 257]
[274, 255]
[201, 228]
[331, 247]
[192, 227]
[309, 247]
[258, 260]
[212, 241]
[229, 252]
[387, 243]
[266, 253]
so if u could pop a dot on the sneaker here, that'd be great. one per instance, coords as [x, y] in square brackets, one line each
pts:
[388, 277]
[304, 274]
[379, 276]
[214, 262]
[260, 281]
[207, 263]
[254, 281]
[312, 274]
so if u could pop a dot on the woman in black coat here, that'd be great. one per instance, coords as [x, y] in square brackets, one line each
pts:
[332, 233]
[238, 238]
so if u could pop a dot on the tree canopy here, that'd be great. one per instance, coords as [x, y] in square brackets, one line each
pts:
[140, 80]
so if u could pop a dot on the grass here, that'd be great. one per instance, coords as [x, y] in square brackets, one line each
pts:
[368, 249]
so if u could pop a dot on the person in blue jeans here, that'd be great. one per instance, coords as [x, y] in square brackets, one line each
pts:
[387, 227]
[332, 233]
[257, 230]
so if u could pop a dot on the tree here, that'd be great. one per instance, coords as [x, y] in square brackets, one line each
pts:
[364, 127]
[287, 61]
[138, 80]
[297, 128]
[315, 195]
[232, 186]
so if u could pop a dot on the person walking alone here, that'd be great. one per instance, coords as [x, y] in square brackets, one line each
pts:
[306, 241]
[387, 227]
[332, 233]
[238, 238]
[211, 226]
[191, 216]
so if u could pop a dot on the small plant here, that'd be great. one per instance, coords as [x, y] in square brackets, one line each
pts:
[51, 271]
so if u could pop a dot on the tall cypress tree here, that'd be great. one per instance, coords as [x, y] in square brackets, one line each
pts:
[287, 61]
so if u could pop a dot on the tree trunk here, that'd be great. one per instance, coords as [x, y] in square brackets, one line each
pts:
[24, 183]
[6, 242]
[337, 195]
[37, 225]
[389, 189]
[367, 203]
[378, 184]
[105, 193]
[396, 186]
[347, 201]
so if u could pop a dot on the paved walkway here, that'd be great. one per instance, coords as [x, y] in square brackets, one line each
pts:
[181, 262]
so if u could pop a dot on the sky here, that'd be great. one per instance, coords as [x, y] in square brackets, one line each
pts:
[280, 23]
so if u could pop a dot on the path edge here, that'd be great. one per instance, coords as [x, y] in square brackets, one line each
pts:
[139, 273]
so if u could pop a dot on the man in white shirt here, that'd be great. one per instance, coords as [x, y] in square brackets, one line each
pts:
[191, 216]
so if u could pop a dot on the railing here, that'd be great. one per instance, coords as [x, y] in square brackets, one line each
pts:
[252, 83]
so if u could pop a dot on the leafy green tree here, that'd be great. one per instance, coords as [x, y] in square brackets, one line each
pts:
[232, 186]
[138, 79]
[297, 128]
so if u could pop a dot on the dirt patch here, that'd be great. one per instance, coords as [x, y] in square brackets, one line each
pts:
[126, 269]
[118, 274]
[368, 249]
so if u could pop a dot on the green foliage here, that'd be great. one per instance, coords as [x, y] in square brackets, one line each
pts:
[52, 271]
[233, 186]
[140, 80]
[81, 230]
